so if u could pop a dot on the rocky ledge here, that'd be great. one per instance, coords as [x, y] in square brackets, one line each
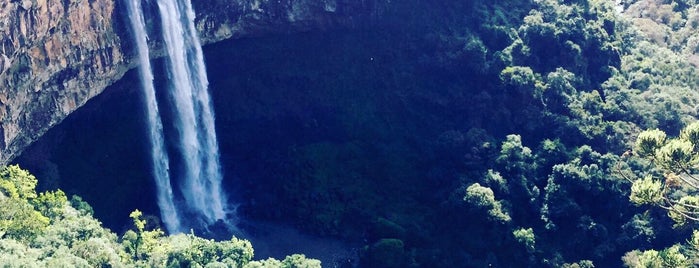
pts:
[57, 54]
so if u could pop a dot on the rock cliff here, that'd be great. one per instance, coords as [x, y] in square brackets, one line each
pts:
[57, 54]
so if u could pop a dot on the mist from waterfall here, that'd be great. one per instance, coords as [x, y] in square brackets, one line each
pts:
[161, 163]
[203, 201]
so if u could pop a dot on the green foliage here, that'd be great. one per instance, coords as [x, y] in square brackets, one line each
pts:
[639, 229]
[84, 238]
[694, 241]
[63, 258]
[82, 206]
[690, 133]
[516, 156]
[141, 243]
[562, 84]
[293, 261]
[586, 171]
[483, 198]
[300, 261]
[99, 252]
[17, 254]
[655, 84]
[494, 179]
[559, 35]
[518, 165]
[51, 204]
[674, 191]
[646, 191]
[524, 79]
[542, 77]
[268, 263]
[138, 221]
[192, 251]
[526, 238]
[677, 155]
[646, 259]
[649, 141]
[676, 159]
[17, 183]
[45, 230]
[670, 257]
[685, 209]
[19, 220]
[580, 264]
[150, 248]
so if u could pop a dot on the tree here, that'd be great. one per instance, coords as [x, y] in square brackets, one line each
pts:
[483, 198]
[17, 183]
[526, 237]
[669, 257]
[671, 183]
[18, 219]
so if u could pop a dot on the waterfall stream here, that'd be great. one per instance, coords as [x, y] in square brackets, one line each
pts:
[161, 164]
[193, 118]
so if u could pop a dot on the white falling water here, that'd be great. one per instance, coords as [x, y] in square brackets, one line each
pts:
[194, 118]
[168, 211]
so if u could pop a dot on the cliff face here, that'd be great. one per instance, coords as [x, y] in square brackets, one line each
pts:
[54, 56]
[57, 54]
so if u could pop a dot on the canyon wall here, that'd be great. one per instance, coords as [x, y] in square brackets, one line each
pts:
[57, 54]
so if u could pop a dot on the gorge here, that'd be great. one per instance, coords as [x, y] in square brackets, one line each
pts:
[410, 133]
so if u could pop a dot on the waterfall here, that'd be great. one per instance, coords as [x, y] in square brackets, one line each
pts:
[194, 116]
[168, 212]
[200, 184]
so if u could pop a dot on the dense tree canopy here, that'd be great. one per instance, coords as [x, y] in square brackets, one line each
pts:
[46, 230]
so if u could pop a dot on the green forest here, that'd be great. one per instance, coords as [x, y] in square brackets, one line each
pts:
[50, 230]
[530, 133]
